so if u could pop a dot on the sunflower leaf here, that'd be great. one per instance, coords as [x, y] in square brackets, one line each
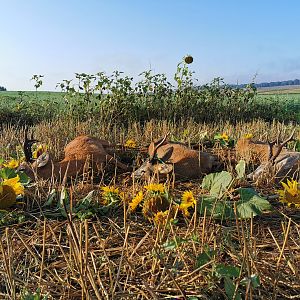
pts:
[217, 183]
[251, 204]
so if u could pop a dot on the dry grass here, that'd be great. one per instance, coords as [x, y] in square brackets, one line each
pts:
[122, 255]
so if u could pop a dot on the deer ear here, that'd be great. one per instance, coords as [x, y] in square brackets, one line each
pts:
[42, 160]
[165, 168]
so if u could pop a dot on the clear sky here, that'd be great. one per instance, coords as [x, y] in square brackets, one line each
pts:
[234, 39]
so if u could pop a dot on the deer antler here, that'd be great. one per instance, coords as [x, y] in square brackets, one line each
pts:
[27, 146]
[159, 144]
[272, 156]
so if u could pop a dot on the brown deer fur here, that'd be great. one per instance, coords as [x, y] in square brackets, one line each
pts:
[78, 153]
[253, 150]
[275, 160]
[167, 157]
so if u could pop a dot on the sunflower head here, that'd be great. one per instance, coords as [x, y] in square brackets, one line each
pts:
[155, 188]
[161, 217]
[130, 143]
[9, 190]
[248, 136]
[187, 200]
[155, 204]
[188, 59]
[110, 194]
[290, 194]
[136, 201]
[40, 149]
[12, 164]
[225, 137]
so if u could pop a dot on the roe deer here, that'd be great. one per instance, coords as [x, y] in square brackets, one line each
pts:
[78, 153]
[280, 162]
[253, 150]
[166, 157]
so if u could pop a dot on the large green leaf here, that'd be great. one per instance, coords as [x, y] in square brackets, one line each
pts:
[219, 209]
[251, 204]
[240, 169]
[216, 183]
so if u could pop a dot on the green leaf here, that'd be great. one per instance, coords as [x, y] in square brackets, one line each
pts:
[173, 244]
[24, 179]
[7, 173]
[219, 209]
[230, 288]
[50, 198]
[240, 169]
[227, 271]
[251, 204]
[254, 279]
[204, 257]
[64, 199]
[216, 183]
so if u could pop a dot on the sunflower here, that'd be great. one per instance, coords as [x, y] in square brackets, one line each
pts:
[290, 193]
[9, 190]
[153, 205]
[156, 188]
[109, 189]
[15, 184]
[225, 137]
[39, 151]
[130, 143]
[187, 200]
[12, 164]
[110, 194]
[248, 136]
[161, 217]
[188, 59]
[136, 201]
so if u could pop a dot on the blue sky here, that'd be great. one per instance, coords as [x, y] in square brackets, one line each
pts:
[231, 39]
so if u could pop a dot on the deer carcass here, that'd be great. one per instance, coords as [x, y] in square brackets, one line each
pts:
[250, 150]
[166, 157]
[78, 153]
[279, 162]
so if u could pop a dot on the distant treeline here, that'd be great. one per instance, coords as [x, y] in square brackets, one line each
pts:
[2, 89]
[272, 83]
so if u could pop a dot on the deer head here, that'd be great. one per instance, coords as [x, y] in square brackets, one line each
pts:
[172, 157]
[155, 164]
[278, 164]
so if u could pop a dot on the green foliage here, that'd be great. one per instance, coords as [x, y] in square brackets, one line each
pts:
[11, 217]
[240, 169]
[220, 206]
[28, 295]
[7, 173]
[58, 205]
[205, 257]
[251, 204]
[227, 271]
[117, 98]
[38, 81]
[217, 183]
[173, 243]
